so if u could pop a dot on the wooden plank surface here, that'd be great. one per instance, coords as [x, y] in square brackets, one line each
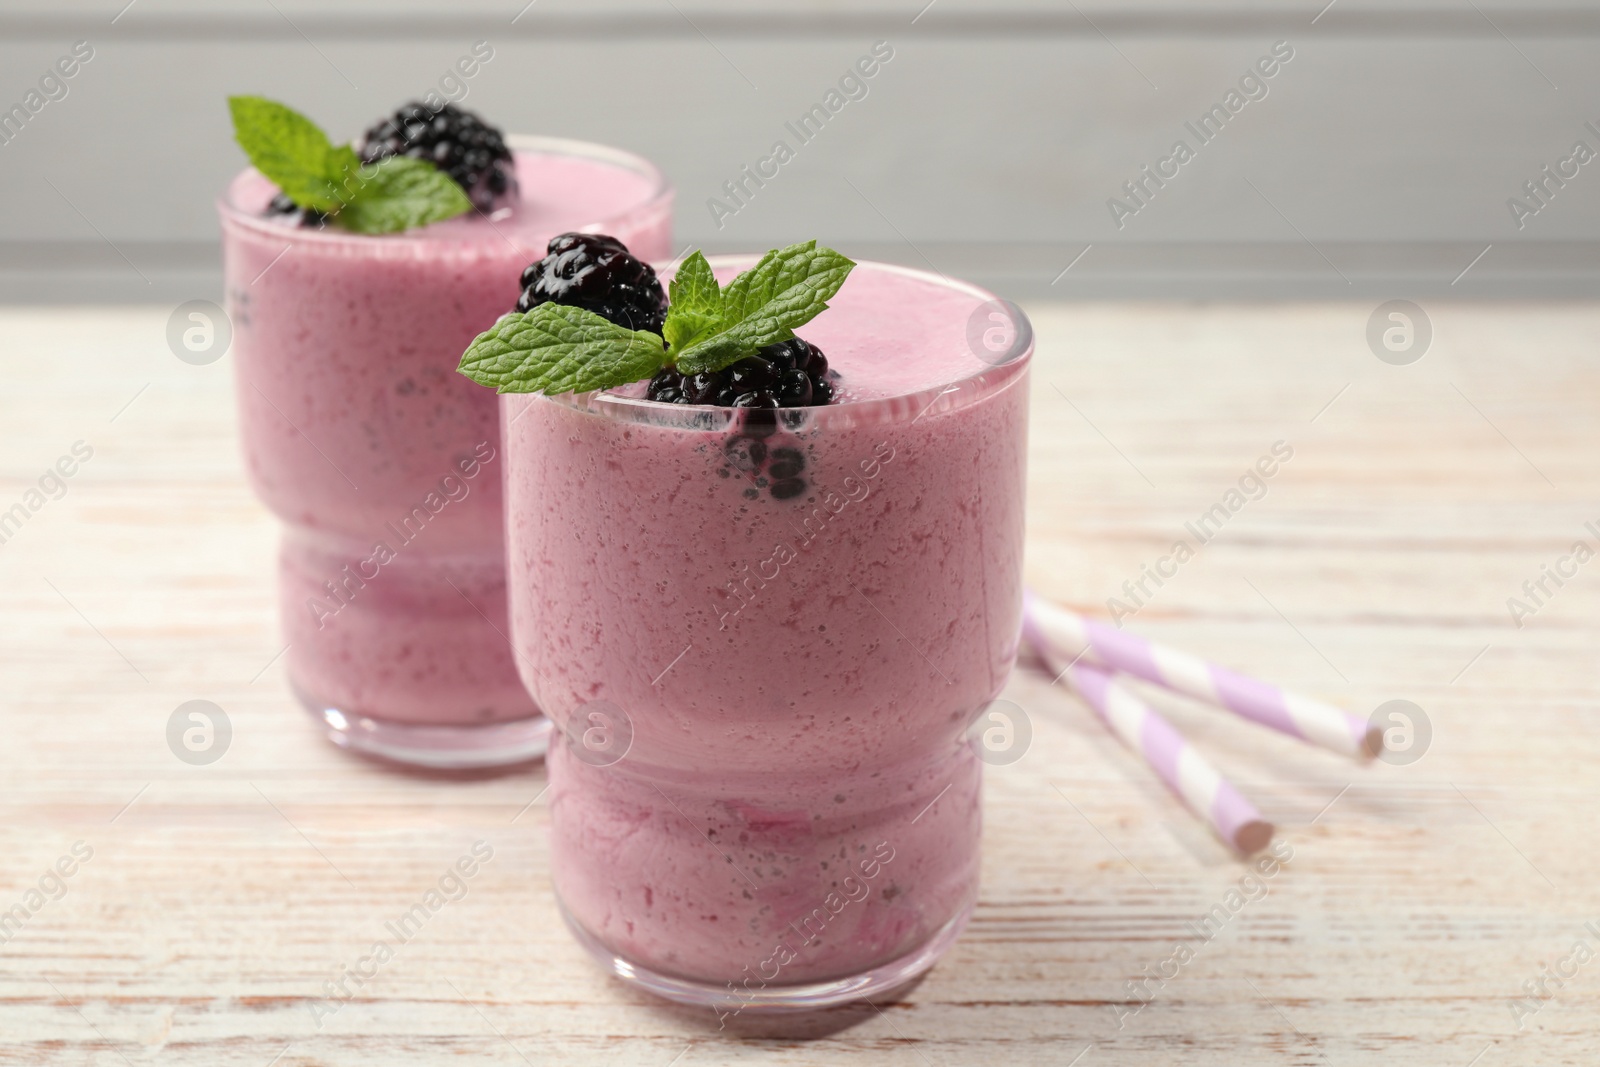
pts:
[219, 899]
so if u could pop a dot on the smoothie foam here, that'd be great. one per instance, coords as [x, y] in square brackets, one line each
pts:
[383, 463]
[798, 802]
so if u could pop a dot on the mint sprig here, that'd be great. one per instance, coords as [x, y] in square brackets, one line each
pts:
[694, 308]
[394, 194]
[557, 349]
[289, 149]
[401, 193]
[762, 306]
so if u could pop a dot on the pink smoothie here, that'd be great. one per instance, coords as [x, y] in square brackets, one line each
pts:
[382, 461]
[799, 802]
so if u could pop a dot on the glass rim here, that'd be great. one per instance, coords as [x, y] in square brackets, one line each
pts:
[661, 191]
[985, 380]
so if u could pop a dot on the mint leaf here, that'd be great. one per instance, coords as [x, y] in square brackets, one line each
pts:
[288, 148]
[343, 169]
[716, 352]
[764, 305]
[560, 349]
[399, 193]
[789, 277]
[695, 308]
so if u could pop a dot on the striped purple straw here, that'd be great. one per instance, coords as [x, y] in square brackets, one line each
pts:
[1184, 770]
[1072, 636]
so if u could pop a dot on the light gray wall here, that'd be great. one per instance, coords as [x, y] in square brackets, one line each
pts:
[1380, 162]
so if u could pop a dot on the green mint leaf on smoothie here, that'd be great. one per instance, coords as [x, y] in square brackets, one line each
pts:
[695, 308]
[288, 148]
[399, 193]
[557, 348]
[765, 304]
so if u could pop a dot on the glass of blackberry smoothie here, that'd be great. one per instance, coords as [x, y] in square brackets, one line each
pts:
[355, 275]
[764, 604]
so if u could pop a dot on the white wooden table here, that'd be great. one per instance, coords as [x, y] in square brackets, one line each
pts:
[219, 899]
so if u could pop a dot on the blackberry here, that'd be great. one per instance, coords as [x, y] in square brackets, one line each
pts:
[796, 353]
[776, 469]
[786, 463]
[666, 385]
[803, 377]
[282, 205]
[595, 272]
[703, 388]
[751, 374]
[789, 374]
[455, 140]
[746, 453]
[757, 419]
[794, 388]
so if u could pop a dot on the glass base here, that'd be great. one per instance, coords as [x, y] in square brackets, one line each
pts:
[773, 1000]
[496, 744]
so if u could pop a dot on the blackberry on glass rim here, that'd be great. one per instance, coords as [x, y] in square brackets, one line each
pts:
[458, 142]
[596, 273]
[453, 139]
[309, 217]
[788, 374]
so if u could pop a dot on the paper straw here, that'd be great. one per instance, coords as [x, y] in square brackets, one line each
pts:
[1312, 721]
[1184, 770]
